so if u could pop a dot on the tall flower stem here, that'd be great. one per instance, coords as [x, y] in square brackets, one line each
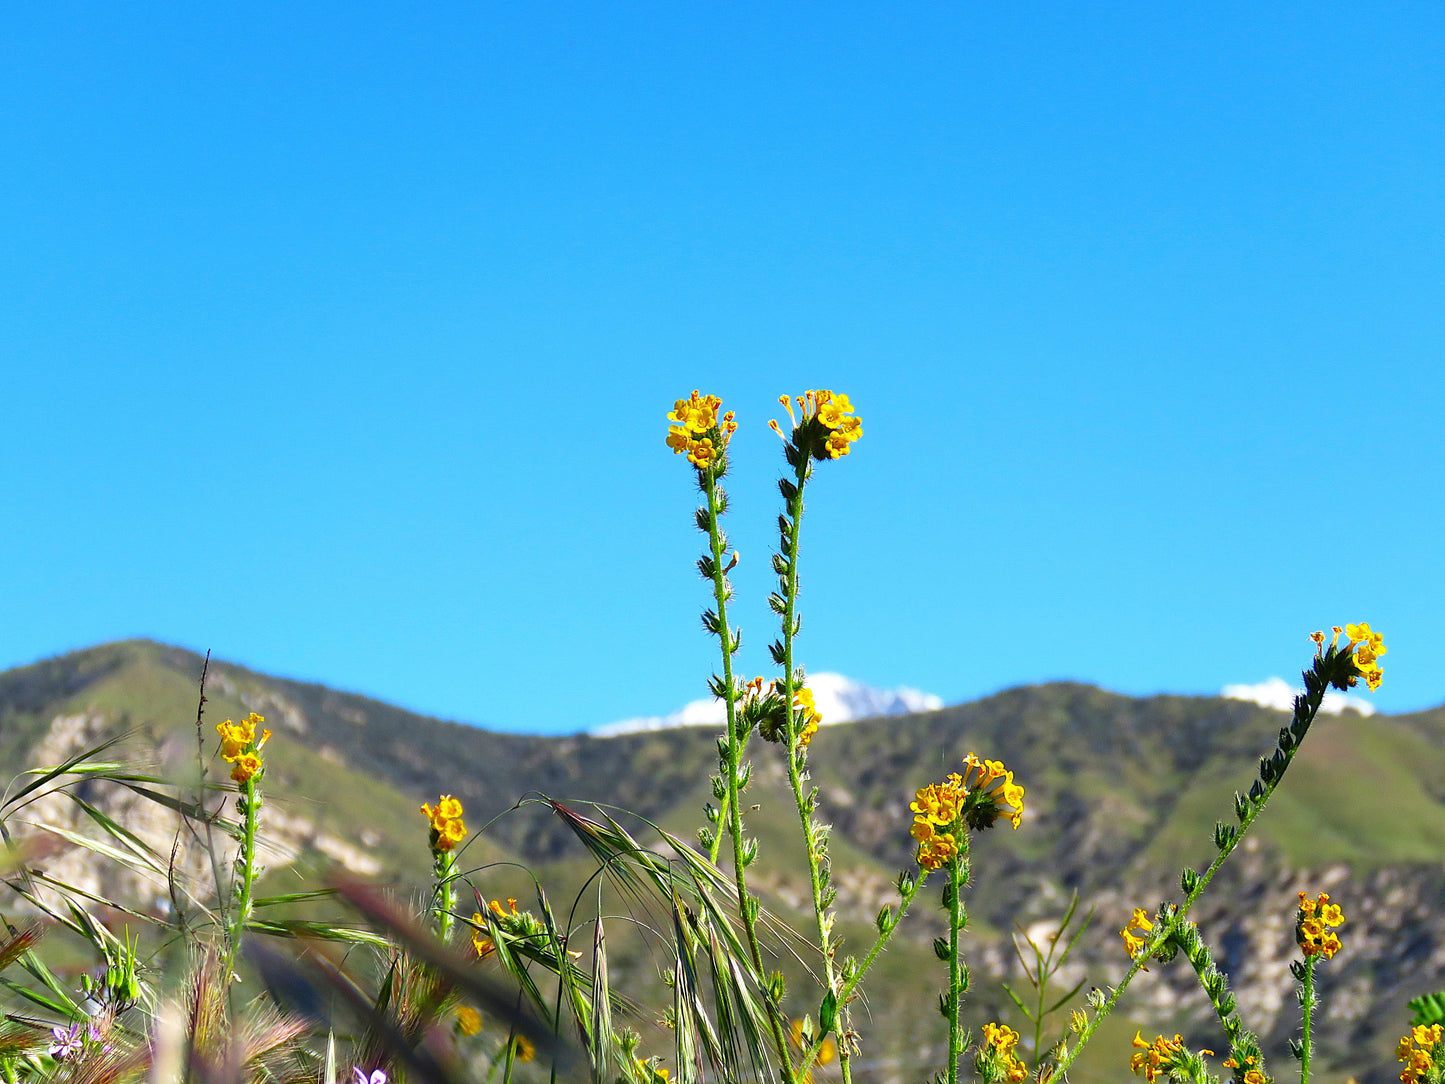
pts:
[957, 976]
[908, 888]
[445, 868]
[815, 836]
[1317, 681]
[1307, 1003]
[736, 742]
[249, 801]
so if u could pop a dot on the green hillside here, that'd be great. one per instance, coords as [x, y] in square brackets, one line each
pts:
[1121, 791]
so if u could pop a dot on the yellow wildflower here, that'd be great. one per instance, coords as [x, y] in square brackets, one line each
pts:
[1135, 941]
[233, 740]
[469, 1021]
[649, 1071]
[937, 851]
[1314, 925]
[238, 738]
[828, 427]
[1000, 1040]
[1416, 1050]
[245, 767]
[483, 944]
[697, 414]
[991, 786]
[700, 452]
[1150, 1060]
[806, 712]
[974, 800]
[1367, 646]
[447, 827]
[940, 803]
[697, 432]
[523, 1048]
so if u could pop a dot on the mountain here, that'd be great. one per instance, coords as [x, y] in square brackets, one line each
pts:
[1121, 791]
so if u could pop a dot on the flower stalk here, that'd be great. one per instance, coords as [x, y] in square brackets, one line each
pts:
[699, 433]
[241, 749]
[1333, 666]
[957, 973]
[827, 429]
[447, 829]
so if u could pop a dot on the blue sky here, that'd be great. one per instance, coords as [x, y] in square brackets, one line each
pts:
[338, 339]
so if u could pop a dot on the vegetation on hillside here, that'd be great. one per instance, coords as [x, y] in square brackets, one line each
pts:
[242, 891]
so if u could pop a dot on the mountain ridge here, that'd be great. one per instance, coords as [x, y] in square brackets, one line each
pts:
[1120, 791]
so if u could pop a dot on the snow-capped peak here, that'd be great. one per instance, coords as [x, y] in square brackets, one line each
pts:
[838, 699]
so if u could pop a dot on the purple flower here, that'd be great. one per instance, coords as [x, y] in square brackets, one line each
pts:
[95, 1035]
[66, 1042]
[378, 1076]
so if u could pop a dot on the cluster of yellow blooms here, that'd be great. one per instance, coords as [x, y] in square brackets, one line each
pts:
[1252, 1075]
[833, 412]
[240, 749]
[974, 799]
[806, 712]
[1151, 1059]
[1001, 1040]
[1367, 646]
[1314, 927]
[1134, 933]
[1417, 1051]
[447, 829]
[937, 807]
[696, 431]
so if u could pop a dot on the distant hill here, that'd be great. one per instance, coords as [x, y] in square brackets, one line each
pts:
[1121, 792]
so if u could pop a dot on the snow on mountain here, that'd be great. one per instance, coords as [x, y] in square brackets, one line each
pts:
[1278, 693]
[839, 699]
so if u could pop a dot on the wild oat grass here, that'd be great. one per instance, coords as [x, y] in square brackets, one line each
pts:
[460, 986]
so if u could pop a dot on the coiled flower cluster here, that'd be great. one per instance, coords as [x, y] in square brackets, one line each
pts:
[241, 749]
[1419, 1050]
[1315, 926]
[996, 1058]
[976, 799]
[1363, 646]
[447, 827]
[1149, 1060]
[696, 430]
[828, 427]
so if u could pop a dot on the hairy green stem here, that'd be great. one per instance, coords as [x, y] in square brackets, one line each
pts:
[845, 994]
[246, 873]
[796, 754]
[714, 848]
[746, 904]
[1163, 931]
[957, 875]
[445, 869]
[1307, 1002]
[1201, 963]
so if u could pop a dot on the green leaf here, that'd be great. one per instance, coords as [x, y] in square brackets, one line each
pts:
[1429, 1009]
[827, 1013]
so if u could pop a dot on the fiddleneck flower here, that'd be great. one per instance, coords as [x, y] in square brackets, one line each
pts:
[447, 826]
